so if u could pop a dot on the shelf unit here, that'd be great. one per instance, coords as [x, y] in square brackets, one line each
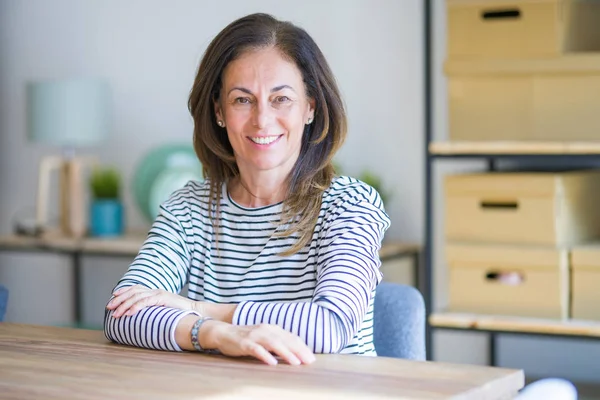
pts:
[492, 152]
[565, 155]
[495, 325]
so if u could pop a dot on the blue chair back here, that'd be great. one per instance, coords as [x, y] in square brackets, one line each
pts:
[399, 322]
[3, 301]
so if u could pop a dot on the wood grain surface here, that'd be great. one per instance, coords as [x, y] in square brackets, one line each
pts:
[129, 245]
[62, 363]
[513, 147]
[515, 324]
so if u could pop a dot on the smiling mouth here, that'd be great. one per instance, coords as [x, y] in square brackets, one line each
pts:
[264, 139]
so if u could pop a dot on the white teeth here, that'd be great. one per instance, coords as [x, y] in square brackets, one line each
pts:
[264, 139]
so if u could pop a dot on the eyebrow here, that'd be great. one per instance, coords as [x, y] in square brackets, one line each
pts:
[273, 90]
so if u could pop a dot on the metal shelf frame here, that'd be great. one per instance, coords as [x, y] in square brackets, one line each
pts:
[565, 161]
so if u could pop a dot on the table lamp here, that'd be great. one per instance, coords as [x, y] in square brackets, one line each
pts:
[70, 114]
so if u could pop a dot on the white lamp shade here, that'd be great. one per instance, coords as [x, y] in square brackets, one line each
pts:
[72, 112]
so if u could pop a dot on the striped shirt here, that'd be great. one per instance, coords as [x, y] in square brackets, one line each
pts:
[324, 293]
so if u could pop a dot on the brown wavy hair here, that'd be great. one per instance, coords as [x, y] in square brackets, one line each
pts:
[313, 171]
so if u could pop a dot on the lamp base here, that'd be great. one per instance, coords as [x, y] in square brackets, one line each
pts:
[72, 215]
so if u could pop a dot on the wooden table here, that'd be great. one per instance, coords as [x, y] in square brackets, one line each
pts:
[129, 245]
[59, 363]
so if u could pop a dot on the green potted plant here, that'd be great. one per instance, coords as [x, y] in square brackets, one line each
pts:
[106, 211]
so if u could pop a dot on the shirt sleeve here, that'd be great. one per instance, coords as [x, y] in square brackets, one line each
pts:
[347, 274]
[163, 262]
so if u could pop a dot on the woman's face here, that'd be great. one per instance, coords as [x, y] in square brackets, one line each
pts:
[264, 106]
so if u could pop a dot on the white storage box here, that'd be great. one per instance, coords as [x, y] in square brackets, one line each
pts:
[522, 28]
[509, 280]
[586, 282]
[525, 100]
[555, 209]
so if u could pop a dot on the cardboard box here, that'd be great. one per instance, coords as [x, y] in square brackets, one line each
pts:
[554, 99]
[509, 280]
[521, 29]
[586, 282]
[556, 209]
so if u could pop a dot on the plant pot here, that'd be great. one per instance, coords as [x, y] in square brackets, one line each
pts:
[106, 218]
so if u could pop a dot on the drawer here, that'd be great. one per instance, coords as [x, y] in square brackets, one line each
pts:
[586, 282]
[521, 28]
[541, 100]
[557, 209]
[508, 280]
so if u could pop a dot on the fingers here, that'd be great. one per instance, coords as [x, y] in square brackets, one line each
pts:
[281, 350]
[294, 351]
[302, 351]
[289, 347]
[258, 351]
[232, 340]
[135, 303]
[131, 301]
[286, 345]
[121, 295]
[263, 342]
[124, 289]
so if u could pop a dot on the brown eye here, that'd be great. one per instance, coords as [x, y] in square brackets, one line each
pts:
[282, 99]
[242, 100]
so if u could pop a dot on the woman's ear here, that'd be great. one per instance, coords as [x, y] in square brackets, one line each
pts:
[218, 111]
[311, 109]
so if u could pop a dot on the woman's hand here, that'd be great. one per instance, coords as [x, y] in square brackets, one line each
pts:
[129, 300]
[257, 341]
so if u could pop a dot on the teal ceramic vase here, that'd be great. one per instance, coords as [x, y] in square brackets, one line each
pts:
[162, 171]
[106, 218]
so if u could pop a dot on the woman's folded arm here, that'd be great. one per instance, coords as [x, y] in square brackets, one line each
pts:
[347, 275]
[162, 263]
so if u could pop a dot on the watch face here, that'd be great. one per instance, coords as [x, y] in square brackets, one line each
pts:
[161, 172]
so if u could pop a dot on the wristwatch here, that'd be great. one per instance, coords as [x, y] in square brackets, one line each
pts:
[195, 329]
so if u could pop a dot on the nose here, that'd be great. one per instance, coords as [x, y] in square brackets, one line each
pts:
[263, 115]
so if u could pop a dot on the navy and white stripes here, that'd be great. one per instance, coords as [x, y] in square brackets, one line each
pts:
[324, 293]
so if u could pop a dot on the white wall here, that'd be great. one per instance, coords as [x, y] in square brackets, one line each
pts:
[149, 50]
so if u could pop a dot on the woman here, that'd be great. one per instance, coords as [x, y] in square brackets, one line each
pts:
[280, 255]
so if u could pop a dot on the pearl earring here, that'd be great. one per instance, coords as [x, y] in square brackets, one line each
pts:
[220, 123]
